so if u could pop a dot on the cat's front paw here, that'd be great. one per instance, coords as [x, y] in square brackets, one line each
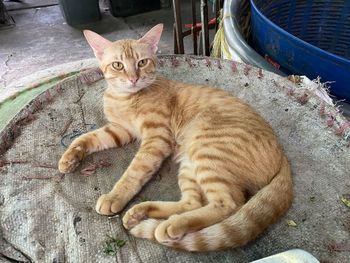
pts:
[135, 214]
[71, 159]
[170, 230]
[109, 204]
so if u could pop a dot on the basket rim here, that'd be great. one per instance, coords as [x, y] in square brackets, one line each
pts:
[334, 57]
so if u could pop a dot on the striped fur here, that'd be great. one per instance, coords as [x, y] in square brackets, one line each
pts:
[234, 177]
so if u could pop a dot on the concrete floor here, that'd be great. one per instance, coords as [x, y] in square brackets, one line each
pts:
[42, 39]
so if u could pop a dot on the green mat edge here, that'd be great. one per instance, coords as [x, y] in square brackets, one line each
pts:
[12, 105]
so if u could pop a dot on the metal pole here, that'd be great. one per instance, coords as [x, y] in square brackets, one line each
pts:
[194, 22]
[178, 26]
[205, 29]
[217, 13]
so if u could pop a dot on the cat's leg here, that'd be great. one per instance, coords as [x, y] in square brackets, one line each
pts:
[191, 199]
[223, 197]
[106, 137]
[153, 150]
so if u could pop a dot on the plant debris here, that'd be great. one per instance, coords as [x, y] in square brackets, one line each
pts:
[104, 163]
[346, 200]
[65, 127]
[112, 245]
[7, 162]
[45, 165]
[312, 198]
[40, 177]
[339, 247]
[291, 223]
[91, 168]
[295, 79]
[56, 177]
[88, 170]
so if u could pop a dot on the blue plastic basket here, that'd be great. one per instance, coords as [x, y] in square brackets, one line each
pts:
[310, 37]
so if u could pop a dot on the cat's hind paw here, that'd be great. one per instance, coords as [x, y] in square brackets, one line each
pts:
[71, 159]
[134, 215]
[170, 230]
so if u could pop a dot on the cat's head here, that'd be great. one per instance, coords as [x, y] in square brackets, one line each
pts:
[128, 65]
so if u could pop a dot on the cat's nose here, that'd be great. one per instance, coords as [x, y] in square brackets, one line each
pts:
[133, 80]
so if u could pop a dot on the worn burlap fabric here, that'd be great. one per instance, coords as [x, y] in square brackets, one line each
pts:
[46, 217]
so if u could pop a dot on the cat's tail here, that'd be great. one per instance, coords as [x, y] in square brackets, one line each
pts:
[263, 209]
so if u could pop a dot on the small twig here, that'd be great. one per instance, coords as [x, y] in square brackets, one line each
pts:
[79, 99]
[6, 162]
[65, 127]
[37, 177]
[57, 177]
[49, 144]
[45, 165]
[339, 247]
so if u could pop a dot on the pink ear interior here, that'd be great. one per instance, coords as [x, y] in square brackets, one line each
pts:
[97, 43]
[152, 37]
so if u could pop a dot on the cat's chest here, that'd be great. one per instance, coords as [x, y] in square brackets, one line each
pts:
[122, 113]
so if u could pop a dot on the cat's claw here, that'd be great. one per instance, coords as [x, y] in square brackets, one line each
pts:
[171, 230]
[109, 204]
[71, 159]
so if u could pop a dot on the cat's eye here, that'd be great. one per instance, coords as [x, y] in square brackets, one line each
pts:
[142, 63]
[117, 65]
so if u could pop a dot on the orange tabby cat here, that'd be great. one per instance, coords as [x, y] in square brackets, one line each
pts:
[234, 178]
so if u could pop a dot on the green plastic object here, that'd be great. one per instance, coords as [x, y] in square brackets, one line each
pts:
[79, 12]
[132, 7]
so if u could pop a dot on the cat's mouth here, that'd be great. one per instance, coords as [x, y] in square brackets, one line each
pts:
[134, 88]
[126, 87]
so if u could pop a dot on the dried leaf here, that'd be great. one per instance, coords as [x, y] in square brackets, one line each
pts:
[291, 223]
[104, 163]
[346, 200]
[88, 170]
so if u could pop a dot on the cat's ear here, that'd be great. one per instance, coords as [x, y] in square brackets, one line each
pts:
[97, 43]
[152, 37]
